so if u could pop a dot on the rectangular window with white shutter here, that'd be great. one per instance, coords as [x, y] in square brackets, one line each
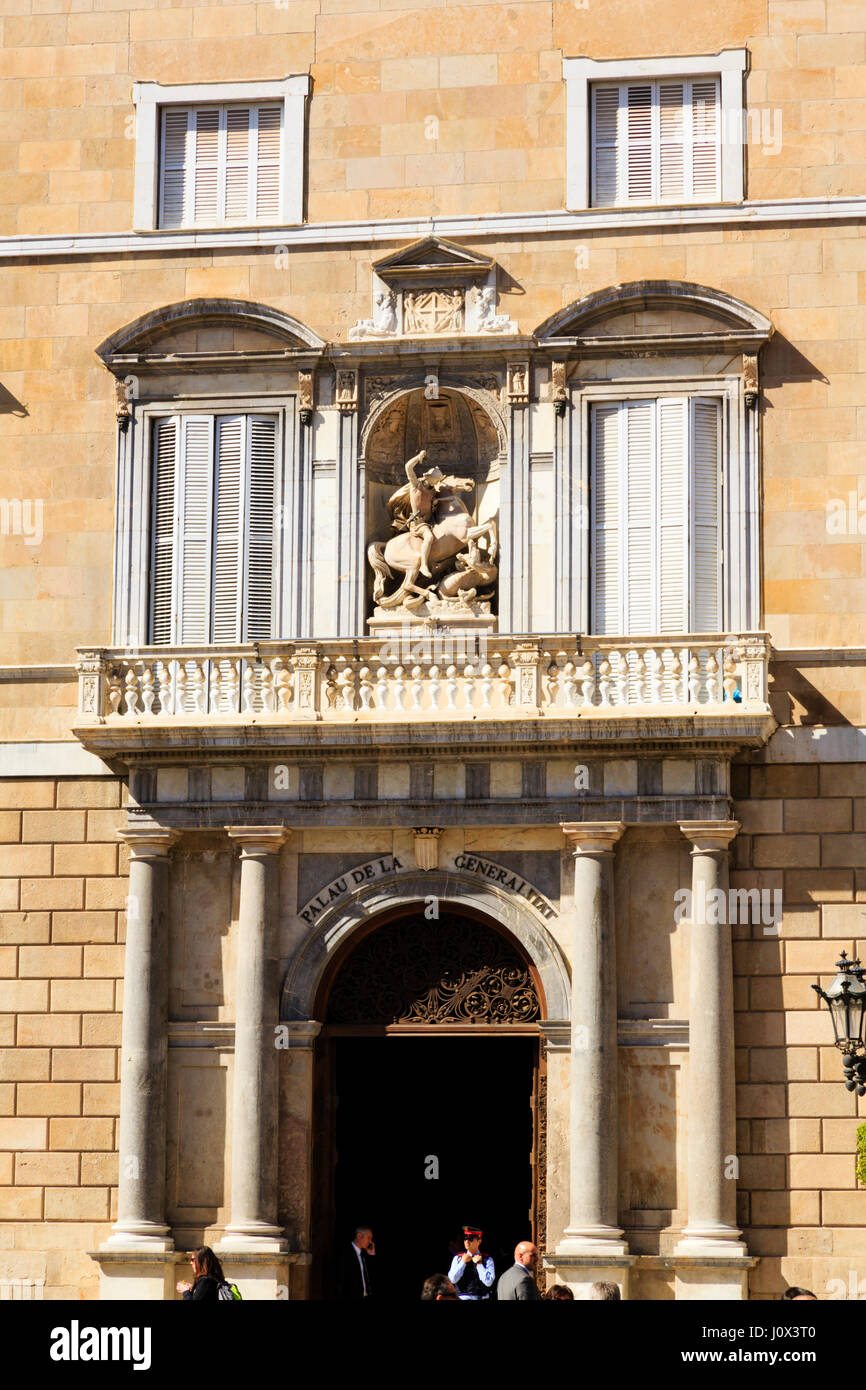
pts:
[656, 506]
[656, 142]
[655, 132]
[220, 165]
[213, 518]
[219, 154]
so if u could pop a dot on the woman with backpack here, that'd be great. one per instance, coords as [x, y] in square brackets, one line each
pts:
[208, 1277]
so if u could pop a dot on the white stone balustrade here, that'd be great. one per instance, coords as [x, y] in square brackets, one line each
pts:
[450, 676]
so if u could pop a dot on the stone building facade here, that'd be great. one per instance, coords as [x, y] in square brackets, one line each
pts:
[295, 834]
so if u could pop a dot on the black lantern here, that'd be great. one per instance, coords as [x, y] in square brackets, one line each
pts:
[846, 1000]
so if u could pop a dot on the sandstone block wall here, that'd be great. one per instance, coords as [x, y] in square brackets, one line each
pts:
[63, 886]
[799, 1202]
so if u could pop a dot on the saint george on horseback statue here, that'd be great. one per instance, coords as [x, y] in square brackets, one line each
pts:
[436, 536]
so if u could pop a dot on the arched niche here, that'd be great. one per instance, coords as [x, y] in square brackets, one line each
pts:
[463, 434]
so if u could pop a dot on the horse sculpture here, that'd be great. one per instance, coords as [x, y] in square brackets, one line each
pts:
[435, 526]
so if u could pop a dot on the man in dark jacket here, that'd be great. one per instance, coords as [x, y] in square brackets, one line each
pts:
[354, 1267]
[518, 1282]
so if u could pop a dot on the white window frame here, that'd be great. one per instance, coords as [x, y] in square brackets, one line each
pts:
[580, 74]
[151, 98]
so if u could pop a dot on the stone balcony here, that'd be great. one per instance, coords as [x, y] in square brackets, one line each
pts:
[420, 687]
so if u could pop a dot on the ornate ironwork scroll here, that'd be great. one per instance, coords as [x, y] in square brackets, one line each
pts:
[453, 970]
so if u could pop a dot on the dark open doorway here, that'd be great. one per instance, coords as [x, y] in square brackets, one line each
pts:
[429, 1097]
[460, 1108]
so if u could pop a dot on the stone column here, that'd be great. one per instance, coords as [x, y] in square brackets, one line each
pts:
[711, 1233]
[592, 1246]
[593, 1116]
[140, 1221]
[255, 1120]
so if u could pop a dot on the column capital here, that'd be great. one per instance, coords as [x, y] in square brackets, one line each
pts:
[258, 840]
[592, 836]
[148, 841]
[709, 836]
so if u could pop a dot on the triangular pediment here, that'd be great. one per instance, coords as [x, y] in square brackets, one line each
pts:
[432, 256]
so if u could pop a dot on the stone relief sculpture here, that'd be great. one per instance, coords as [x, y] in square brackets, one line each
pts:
[383, 324]
[438, 540]
[486, 318]
[432, 311]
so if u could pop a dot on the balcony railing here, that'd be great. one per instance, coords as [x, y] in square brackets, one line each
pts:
[418, 676]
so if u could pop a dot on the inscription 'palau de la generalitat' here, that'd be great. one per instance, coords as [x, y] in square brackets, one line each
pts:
[390, 864]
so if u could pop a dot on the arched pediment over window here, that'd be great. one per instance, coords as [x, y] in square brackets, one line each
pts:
[681, 316]
[196, 330]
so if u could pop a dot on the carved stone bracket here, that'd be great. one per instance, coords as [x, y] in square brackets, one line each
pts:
[124, 393]
[347, 391]
[559, 390]
[92, 675]
[427, 847]
[306, 396]
[750, 380]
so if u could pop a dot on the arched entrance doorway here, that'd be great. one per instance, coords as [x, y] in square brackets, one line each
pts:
[430, 1077]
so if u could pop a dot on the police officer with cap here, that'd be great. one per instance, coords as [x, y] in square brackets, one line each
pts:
[472, 1273]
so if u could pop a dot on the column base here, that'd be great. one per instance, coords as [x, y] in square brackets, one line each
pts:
[145, 1236]
[253, 1237]
[592, 1240]
[580, 1272]
[136, 1274]
[711, 1242]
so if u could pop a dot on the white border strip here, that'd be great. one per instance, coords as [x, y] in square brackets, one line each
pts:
[408, 229]
[50, 760]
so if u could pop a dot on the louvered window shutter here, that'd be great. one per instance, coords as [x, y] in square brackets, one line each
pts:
[206, 170]
[606, 501]
[705, 508]
[267, 164]
[220, 165]
[195, 506]
[705, 131]
[260, 527]
[656, 142]
[176, 146]
[639, 524]
[238, 135]
[228, 529]
[656, 559]
[639, 158]
[672, 416]
[165, 456]
[672, 154]
[607, 144]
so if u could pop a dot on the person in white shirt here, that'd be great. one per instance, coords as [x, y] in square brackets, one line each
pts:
[472, 1273]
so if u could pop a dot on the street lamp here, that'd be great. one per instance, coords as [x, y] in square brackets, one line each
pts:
[846, 1000]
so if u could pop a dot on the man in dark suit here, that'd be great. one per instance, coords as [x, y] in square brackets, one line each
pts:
[355, 1277]
[518, 1282]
